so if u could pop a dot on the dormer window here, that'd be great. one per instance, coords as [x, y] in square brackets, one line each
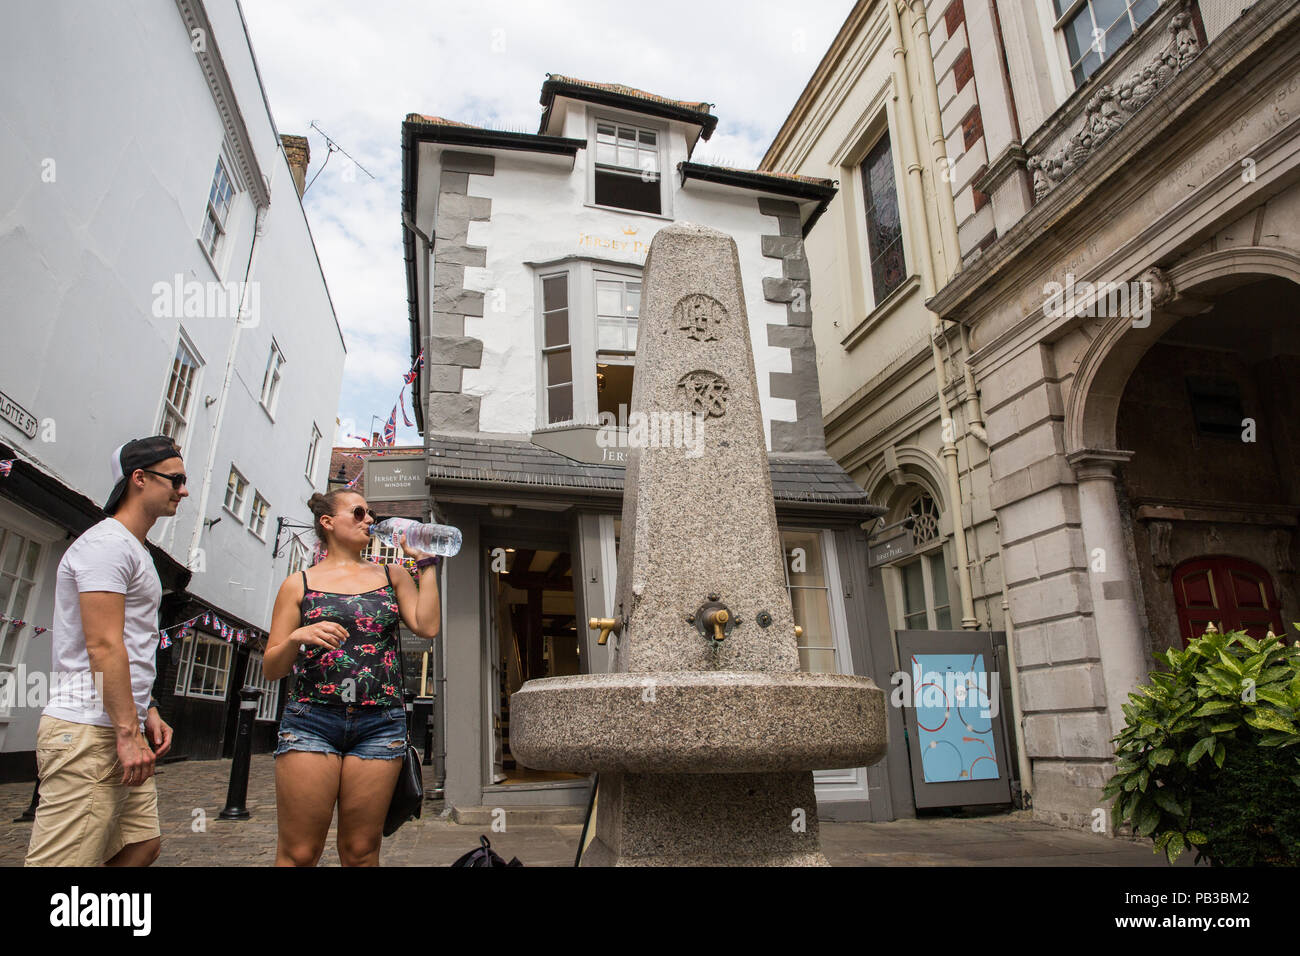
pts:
[627, 167]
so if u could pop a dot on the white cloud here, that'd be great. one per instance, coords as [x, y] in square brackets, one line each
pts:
[358, 69]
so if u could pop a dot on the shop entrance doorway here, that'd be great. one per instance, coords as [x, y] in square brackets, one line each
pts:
[532, 633]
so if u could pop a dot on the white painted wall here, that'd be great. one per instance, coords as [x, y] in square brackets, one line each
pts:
[115, 97]
[539, 212]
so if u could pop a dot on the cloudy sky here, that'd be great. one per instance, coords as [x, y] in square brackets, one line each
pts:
[356, 69]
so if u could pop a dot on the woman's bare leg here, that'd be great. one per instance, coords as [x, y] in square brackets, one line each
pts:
[364, 795]
[306, 788]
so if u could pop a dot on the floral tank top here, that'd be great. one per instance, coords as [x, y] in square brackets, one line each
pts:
[364, 669]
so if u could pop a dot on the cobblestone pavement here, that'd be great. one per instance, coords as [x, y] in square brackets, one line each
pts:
[1006, 839]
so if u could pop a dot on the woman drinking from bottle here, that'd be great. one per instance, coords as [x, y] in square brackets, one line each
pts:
[343, 734]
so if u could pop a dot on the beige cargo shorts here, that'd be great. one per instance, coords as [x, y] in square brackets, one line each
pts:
[86, 815]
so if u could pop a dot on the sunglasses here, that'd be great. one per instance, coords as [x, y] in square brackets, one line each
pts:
[178, 480]
[360, 513]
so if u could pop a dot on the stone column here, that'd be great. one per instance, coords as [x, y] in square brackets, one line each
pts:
[463, 689]
[1115, 612]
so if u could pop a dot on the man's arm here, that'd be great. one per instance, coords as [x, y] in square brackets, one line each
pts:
[103, 618]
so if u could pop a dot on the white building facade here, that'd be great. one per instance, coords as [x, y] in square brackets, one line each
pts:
[535, 244]
[154, 286]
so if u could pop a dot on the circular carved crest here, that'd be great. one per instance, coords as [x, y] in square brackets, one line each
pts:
[705, 393]
[700, 316]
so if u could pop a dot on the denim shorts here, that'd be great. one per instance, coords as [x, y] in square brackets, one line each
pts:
[373, 733]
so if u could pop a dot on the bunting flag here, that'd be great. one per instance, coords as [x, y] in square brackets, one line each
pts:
[409, 377]
[7, 464]
[390, 429]
[20, 624]
[164, 640]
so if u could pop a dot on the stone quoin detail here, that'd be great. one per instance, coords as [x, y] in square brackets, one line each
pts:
[700, 317]
[706, 393]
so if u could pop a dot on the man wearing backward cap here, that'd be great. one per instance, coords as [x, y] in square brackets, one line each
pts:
[100, 735]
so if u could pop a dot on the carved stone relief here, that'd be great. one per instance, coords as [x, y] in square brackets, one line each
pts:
[705, 393]
[1111, 107]
[700, 317]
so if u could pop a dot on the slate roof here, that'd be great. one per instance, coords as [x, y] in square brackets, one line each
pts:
[802, 478]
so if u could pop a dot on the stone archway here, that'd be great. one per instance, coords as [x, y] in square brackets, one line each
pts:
[1122, 550]
[1104, 368]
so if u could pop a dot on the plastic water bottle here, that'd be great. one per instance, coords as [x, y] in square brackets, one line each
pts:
[430, 538]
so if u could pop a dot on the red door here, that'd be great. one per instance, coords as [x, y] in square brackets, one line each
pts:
[1233, 593]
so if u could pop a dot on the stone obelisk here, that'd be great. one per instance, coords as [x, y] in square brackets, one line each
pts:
[706, 732]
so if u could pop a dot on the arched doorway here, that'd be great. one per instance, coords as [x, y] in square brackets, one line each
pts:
[1196, 408]
[1232, 593]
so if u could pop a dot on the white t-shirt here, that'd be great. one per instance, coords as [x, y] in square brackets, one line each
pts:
[107, 557]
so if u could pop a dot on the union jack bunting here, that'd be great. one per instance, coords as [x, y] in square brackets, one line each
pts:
[409, 377]
[390, 428]
[6, 466]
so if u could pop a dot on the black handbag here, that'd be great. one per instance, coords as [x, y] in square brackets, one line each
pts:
[408, 794]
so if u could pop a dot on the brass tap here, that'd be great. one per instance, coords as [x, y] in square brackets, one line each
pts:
[715, 619]
[605, 625]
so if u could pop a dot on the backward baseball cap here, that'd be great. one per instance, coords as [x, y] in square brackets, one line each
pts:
[137, 453]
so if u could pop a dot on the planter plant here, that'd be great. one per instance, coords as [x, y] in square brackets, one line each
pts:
[1208, 757]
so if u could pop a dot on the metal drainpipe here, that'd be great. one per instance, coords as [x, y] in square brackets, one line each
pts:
[440, 661]
[934, 120]
[916, 195]
[258, 229]
[1018, 715]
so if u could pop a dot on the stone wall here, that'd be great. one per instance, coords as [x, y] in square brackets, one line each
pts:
[450, 351]
[800, 384]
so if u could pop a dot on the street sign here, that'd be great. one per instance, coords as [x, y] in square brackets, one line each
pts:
[18, 416]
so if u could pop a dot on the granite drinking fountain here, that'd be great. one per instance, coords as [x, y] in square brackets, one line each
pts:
[705, 732]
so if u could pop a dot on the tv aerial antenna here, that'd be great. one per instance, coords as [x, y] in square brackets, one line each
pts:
[333, 148]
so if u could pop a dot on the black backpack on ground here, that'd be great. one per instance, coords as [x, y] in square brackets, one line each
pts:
[485, 856]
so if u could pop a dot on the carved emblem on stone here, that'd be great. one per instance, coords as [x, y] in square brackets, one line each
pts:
[1161, 558]
[705, 393]
[700, 317]
[1162, 290]
[1106, 112]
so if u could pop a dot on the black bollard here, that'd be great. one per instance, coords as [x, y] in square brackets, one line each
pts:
[420, 735]
[29, 815]
[237, 794]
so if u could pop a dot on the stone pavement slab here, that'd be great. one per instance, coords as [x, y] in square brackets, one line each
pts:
[192, 793]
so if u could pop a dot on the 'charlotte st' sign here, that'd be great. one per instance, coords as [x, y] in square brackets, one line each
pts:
[18, 416]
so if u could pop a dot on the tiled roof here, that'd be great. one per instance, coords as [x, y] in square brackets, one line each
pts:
[622, 90]
[803, 478]
[438, 121]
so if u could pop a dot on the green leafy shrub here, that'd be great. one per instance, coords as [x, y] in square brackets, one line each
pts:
[1204, 759]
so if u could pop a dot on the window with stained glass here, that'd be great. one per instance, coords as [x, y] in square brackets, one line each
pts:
[884, 224]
